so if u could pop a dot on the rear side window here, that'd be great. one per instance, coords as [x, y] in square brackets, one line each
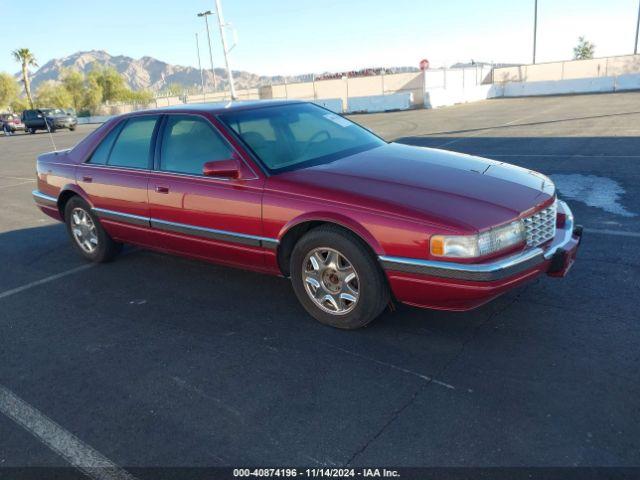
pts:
[132, 146]
[101, 154]
[188, 143]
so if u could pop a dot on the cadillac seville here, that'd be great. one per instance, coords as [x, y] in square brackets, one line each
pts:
[289, 188]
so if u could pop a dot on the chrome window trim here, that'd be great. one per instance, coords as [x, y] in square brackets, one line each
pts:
[203, 232]
[115, 167]
[485, 272]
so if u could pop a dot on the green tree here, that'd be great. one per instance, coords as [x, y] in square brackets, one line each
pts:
[92, 95]
[74, 82]
[19, 104]
[137, 96]
[26, 60]
[9, 89]
[174, 89]
[110, 81]
[584, 50]
[53, 94]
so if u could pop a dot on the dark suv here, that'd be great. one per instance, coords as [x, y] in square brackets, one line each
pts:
[48, 118]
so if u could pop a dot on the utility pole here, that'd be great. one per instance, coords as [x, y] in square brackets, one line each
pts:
[635, 47]
[222, 25]
[200, 65]
[535, 28]
[206, 23]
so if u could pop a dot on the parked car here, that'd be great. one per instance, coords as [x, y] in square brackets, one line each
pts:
[50, 119]
[10, 122]
[292, 189]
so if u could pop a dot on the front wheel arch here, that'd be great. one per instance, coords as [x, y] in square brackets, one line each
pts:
[297, 231]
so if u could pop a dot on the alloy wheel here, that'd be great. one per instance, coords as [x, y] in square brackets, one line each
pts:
[331, 281]
[84, 230]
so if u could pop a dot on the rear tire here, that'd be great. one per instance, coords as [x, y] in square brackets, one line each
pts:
[336, 279]
[72, 129]
[87, 235]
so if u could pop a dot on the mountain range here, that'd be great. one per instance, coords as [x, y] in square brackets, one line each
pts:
[153, 74]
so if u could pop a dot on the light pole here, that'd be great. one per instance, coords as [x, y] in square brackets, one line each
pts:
[200, 66]
[206, 22]
[535, 28]
[635, 46]
[221, 25]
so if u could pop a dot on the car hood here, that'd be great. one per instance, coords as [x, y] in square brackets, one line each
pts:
[436, 186]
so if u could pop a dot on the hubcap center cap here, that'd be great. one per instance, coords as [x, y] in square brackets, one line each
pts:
[331, 280]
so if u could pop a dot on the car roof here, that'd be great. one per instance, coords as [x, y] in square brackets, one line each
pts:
[220, 107]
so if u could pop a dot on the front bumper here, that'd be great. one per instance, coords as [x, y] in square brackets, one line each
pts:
[461, 286]
[65, 123]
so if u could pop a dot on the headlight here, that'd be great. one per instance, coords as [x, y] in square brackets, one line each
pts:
[485, 243]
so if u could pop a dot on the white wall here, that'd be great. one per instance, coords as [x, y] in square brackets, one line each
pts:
[450, 86]
[620, 83]
[380, 103]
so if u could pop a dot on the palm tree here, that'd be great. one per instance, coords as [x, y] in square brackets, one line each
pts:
[26, 59]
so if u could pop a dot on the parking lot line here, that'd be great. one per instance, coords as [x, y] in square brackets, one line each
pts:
[17, 178]
[619, 233]
[83, 457]
[17, 184]
[51, 278]
[495, 127]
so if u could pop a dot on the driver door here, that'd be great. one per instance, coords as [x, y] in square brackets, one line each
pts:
[213, 218]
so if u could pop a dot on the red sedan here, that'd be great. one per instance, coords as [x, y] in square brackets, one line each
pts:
[289, 188]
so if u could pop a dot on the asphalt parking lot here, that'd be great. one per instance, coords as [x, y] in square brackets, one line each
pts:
[160, 361]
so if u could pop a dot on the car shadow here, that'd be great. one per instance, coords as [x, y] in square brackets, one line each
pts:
[183, 293]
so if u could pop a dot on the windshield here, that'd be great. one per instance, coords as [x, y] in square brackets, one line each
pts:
[295, 136]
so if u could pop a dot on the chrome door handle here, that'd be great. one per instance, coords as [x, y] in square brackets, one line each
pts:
[160, 189]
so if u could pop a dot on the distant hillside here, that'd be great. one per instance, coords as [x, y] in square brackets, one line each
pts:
[150, 73]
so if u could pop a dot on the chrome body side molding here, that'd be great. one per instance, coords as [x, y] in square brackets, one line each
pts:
[203, 232]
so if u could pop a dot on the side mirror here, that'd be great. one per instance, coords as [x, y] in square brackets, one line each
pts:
[229, 168]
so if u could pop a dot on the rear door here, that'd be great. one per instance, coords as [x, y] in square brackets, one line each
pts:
[213, 218]
[115, 178]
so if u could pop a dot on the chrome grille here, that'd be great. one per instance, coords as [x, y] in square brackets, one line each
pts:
[541, 226]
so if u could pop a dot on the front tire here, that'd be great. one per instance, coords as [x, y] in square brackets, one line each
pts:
[336, 279]
[87, 234]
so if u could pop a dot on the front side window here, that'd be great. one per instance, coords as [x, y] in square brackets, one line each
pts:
[132, 147]
[188, 143]
[294, 136]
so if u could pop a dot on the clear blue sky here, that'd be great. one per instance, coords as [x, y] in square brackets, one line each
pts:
[300, 36]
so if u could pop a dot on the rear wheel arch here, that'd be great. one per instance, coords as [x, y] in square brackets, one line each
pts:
[66, 194]
[298, 230]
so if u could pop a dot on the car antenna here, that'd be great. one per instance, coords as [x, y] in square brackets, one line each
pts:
[55, 149]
